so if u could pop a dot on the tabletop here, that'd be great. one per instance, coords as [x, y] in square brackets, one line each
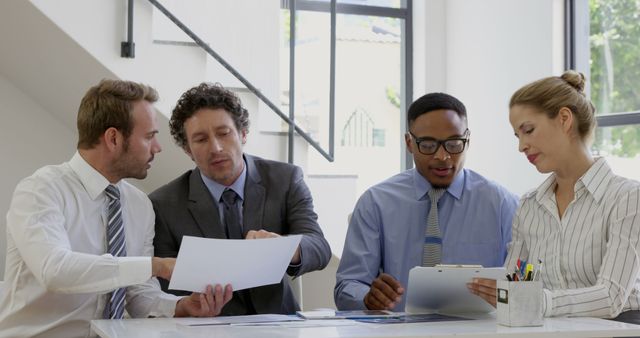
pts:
[175, 327]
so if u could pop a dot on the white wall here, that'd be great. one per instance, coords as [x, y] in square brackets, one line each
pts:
[333, 199]
[253, 49]
[487, 50]
[31, 138]
[479, 51]
[66, 46]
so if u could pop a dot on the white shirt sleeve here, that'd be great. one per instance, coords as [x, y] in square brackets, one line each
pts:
[37, 225]
[147, 299]
[618, 272]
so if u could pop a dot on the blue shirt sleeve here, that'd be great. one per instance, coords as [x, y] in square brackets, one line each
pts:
[507, 211]
[361, 256]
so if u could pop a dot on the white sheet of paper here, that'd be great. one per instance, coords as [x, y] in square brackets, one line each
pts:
[239, 320]
[241, 263]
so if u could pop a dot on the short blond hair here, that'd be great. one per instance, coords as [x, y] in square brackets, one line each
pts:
[552, 93]
[107, 105]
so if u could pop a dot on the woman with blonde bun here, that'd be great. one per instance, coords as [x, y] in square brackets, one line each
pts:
[580, 228]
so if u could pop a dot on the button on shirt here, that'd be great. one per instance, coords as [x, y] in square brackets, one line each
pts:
[386, 232]
[590, 261]
[57, 273]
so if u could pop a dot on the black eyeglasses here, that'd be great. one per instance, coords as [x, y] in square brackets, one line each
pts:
[429, 145]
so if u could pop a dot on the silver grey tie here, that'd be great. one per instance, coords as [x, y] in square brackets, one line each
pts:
[114, 308]
[432, 251]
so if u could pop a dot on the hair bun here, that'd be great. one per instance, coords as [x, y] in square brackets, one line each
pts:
[574, 79]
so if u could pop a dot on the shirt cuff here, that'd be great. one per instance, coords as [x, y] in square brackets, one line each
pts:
[133, 270]
[293, 269]
[166, 306]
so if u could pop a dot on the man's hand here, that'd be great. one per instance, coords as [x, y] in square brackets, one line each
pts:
[207, 304]
[384, 294]
[252, 234]
[485, 288]
[162, 267]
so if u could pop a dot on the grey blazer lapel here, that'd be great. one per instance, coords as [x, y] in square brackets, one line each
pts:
[203, 209]
[254, 198]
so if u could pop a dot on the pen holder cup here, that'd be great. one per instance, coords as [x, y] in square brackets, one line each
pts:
[519, 303]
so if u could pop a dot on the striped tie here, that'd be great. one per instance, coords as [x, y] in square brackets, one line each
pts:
[432, 238]
[116, 247]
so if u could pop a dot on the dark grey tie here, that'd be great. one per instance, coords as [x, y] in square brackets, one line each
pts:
[114, 308]
[231, 214]
[234, 231]
[432, 251]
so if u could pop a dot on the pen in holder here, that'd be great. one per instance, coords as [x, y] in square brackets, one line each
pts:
[519, 303]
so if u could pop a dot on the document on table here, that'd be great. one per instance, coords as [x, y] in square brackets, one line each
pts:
[238, 320]
[242, 263]
[348, 314]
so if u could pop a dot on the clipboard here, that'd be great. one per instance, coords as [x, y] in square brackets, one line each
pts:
[443, 289]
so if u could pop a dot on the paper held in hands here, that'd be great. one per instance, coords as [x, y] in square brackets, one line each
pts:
[242, 263]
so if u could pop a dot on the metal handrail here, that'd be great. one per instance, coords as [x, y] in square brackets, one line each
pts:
[128, 48]
[251, 87]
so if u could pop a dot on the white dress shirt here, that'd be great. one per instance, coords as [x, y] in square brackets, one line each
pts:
[57, 274]
[590, 256]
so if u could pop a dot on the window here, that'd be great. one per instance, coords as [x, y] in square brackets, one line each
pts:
[370, 86]
[612, 61]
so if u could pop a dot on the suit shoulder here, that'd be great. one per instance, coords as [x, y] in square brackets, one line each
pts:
[176, 189]
[259, 161]
[265, 166]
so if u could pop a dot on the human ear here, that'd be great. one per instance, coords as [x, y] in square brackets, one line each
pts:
[407, 141]
[111, 138]
[187, 151]
[243, 136]
[565, 116]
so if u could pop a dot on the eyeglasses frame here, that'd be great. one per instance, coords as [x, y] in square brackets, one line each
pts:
[464, 139]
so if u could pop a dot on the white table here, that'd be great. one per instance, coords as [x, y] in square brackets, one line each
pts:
[553, 327]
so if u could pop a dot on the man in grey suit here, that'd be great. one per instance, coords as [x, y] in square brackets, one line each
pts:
[235, 195]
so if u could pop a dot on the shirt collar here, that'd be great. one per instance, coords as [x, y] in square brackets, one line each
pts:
[422, 186]
[216, 189]
[92, 180]
[595, 180]
[545, 190]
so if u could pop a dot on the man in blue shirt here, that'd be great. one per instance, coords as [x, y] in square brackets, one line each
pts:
[386, 236]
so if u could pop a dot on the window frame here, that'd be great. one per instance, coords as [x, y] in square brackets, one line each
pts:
[578, 56]
[405, 13]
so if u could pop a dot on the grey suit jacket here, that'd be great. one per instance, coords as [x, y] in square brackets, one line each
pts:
[276, 199]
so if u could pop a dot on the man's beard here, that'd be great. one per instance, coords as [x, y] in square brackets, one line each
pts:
[126, 165]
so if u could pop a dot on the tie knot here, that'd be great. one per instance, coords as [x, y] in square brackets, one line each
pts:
[229, 197]
[435, 194]
[112, 192]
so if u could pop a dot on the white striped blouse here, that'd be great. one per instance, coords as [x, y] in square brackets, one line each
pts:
[590, 257]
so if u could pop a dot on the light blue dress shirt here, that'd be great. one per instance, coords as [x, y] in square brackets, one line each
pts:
[216, 189]
[387, 230]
